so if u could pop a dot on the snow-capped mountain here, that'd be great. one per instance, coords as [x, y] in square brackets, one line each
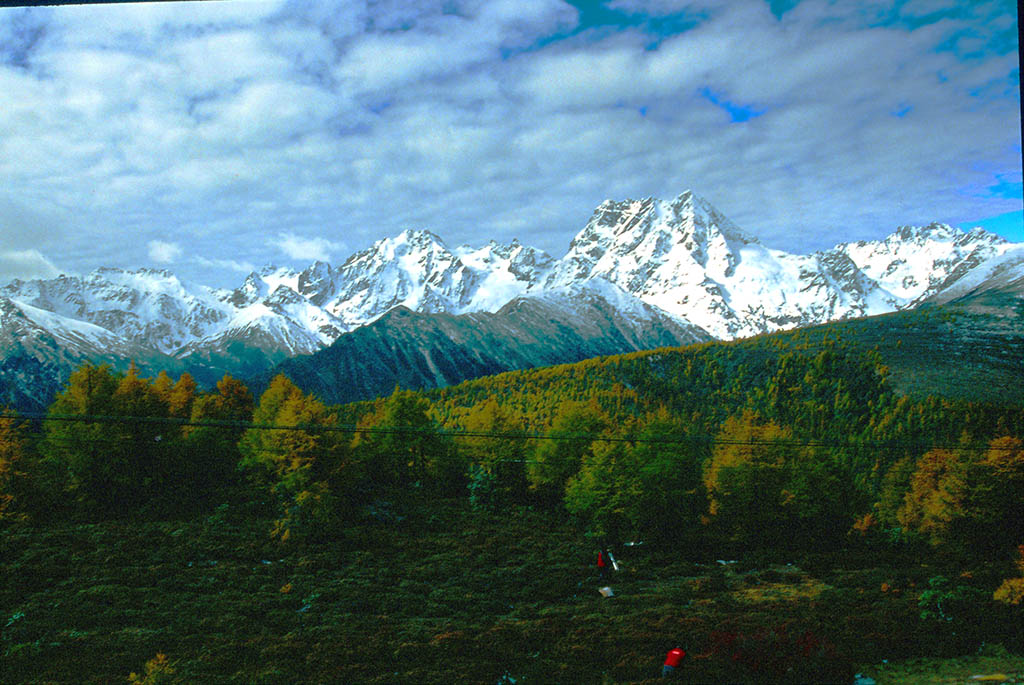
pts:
[417, 270]
[680, 259]
[417, 350]
[145, 307]
[686, 258]
[40, 348]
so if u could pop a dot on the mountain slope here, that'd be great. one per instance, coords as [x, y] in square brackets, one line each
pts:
[417, 350]
[686, 258]
[681, 258]
[41, 348]
[971, 348]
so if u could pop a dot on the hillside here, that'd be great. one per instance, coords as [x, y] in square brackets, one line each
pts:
[968, 349]
[420, 351]
[441, 594]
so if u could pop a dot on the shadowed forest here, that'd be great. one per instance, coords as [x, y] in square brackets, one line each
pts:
[778, 509]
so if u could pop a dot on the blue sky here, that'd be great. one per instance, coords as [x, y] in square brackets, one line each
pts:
[214, 138]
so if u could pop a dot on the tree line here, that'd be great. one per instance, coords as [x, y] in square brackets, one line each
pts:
[710, 447]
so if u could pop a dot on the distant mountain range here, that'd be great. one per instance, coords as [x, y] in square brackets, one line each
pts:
[411, 310]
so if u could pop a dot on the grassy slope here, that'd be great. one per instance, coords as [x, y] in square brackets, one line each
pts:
[993, 662]
[969, 349]
[958, 350]
[446, 595]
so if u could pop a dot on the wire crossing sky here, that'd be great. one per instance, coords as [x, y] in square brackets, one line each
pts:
[668, 438]
[212, 138]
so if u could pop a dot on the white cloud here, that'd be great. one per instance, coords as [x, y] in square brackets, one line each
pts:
[26, 265]
[379, 62]
[163, 252]
[227, 265]
[309, 249]
[224, 125]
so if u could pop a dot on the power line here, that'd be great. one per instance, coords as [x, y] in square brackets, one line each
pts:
[505, 435]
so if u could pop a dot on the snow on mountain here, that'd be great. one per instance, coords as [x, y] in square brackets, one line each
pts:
[916, 262]
[647, 258]
[1005, 268]
[147, 307]
[686, 258]
[416, 269]
[21, 322]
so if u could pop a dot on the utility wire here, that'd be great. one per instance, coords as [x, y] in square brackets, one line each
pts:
[510, 436]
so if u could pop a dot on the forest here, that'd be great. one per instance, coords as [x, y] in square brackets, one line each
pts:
[755, 491]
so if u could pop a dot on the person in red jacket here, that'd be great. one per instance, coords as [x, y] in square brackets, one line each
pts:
[672, 661]
[602, 563]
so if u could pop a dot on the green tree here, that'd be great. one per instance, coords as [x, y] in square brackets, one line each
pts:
[819, 500]
[212, 445]
[746, 477]
[296, 455]
[13, 475]
[996, 500]
[894, 487]
[90, 452]
[403, 445]
[604, 490]
[672, 496]
[498, 449]
[152, 467]
[566, 444]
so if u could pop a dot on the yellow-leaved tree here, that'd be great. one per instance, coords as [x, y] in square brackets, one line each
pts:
[12, 467]
[293, 452]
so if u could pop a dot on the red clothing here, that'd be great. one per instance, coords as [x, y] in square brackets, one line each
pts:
[674, 657]
[600, 560]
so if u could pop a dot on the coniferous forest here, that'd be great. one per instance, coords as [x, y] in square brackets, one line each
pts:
[776, 506]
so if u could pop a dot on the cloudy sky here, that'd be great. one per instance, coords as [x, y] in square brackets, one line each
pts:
[211, 138]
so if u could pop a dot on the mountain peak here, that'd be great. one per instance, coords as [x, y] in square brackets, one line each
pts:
[418, 237]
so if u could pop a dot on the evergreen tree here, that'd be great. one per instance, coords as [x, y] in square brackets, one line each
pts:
[672, 496]
[502, 458]
[296, 456]
[567, 443]
[745, 479]
[91, 453]
[403, 446]
[13, 475]
[212, 450]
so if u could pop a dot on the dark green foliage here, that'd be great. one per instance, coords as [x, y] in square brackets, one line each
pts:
[211, 450]
[497, 453]
[957, 612]
[446, 594]
[106, 463]
[671, 495]
[483, 488]
[568, 444]
[401, 445]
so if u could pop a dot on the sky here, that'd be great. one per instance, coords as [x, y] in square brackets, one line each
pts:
[213, 138]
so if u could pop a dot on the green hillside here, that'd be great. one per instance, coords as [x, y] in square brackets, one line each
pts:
[971, 349]
[444, 594]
